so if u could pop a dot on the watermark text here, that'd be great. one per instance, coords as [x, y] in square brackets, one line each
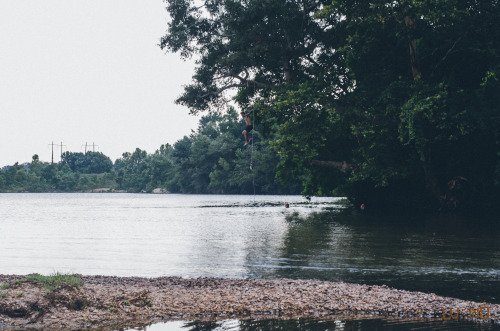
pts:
[482, 313]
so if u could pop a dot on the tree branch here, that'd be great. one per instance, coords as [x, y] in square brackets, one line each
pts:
[342, 166]
[220, 90]
[447, 53]
[255, 83]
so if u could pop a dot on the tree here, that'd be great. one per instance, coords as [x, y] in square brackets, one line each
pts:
[377, 100]
[135, 168]
[20, 176]
[34, 180]
[213, 160]
[3, 183]
[88, 163]
[255, 46]
[161, 167]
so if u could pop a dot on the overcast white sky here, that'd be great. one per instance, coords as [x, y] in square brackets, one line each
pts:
[81, 71]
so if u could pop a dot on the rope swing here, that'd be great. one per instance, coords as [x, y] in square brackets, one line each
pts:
[251, 154]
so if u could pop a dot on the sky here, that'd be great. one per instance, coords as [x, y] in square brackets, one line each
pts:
[88, 71]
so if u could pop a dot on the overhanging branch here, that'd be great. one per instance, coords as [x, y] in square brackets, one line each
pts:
[342, 166]
[250, 82]
[220, 90]
[244, 82]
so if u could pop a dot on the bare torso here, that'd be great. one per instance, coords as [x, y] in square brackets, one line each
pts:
[248, 121]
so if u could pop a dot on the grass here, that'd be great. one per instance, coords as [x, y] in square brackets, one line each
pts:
[53, 281]
[4, 286]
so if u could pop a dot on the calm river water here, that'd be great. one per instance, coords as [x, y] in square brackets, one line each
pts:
[247, 236]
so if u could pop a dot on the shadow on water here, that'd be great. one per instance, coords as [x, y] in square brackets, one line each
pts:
[447, 255]
[317, 325]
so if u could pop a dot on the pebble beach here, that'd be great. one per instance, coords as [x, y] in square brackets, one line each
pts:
[106, 302]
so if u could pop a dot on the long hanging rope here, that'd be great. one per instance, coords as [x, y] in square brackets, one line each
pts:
[251, 154]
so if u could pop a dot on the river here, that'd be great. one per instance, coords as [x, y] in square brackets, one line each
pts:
[247, 236]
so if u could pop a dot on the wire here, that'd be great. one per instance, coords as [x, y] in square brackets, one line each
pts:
[251, 155]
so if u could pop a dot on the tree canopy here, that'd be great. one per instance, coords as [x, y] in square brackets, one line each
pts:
[88, 163]
[392, 103]
[210, 160]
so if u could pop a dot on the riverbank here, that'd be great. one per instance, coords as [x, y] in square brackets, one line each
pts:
[109, 302]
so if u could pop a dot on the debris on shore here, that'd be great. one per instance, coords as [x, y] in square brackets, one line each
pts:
[109, 302]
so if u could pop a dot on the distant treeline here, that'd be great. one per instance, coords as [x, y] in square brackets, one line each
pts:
[210, 160]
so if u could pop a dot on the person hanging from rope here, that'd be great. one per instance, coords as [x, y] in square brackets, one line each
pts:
[249, 127]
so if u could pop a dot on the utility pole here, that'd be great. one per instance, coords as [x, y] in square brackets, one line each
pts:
[61, 151]
[85, 147]
[93, 147]
[52, 152]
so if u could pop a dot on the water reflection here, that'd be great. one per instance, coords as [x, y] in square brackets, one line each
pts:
[247, 236]
[320, 325]
[425, 254]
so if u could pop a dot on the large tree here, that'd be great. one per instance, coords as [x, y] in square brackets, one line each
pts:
[377, 99]
[88, 163]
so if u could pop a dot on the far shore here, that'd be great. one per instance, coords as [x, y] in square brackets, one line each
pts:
[107, 302]
[95, 190]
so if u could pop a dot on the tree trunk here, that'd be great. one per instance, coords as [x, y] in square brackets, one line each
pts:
[412, 43]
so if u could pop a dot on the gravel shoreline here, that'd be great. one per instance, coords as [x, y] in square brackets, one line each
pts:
[107, 302]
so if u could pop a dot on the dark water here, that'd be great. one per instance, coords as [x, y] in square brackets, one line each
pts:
[447, 255]
[248, 236]
[321, 325]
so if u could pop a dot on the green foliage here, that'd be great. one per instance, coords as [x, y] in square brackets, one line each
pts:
[390, 103]
[405, 93]
[135, 169]
[39, 176]
[211, 160]
[88, 163]
[53, 281]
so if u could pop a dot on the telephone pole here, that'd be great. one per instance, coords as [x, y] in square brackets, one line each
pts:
[93, 147]
[85, 147]
[52, 152]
